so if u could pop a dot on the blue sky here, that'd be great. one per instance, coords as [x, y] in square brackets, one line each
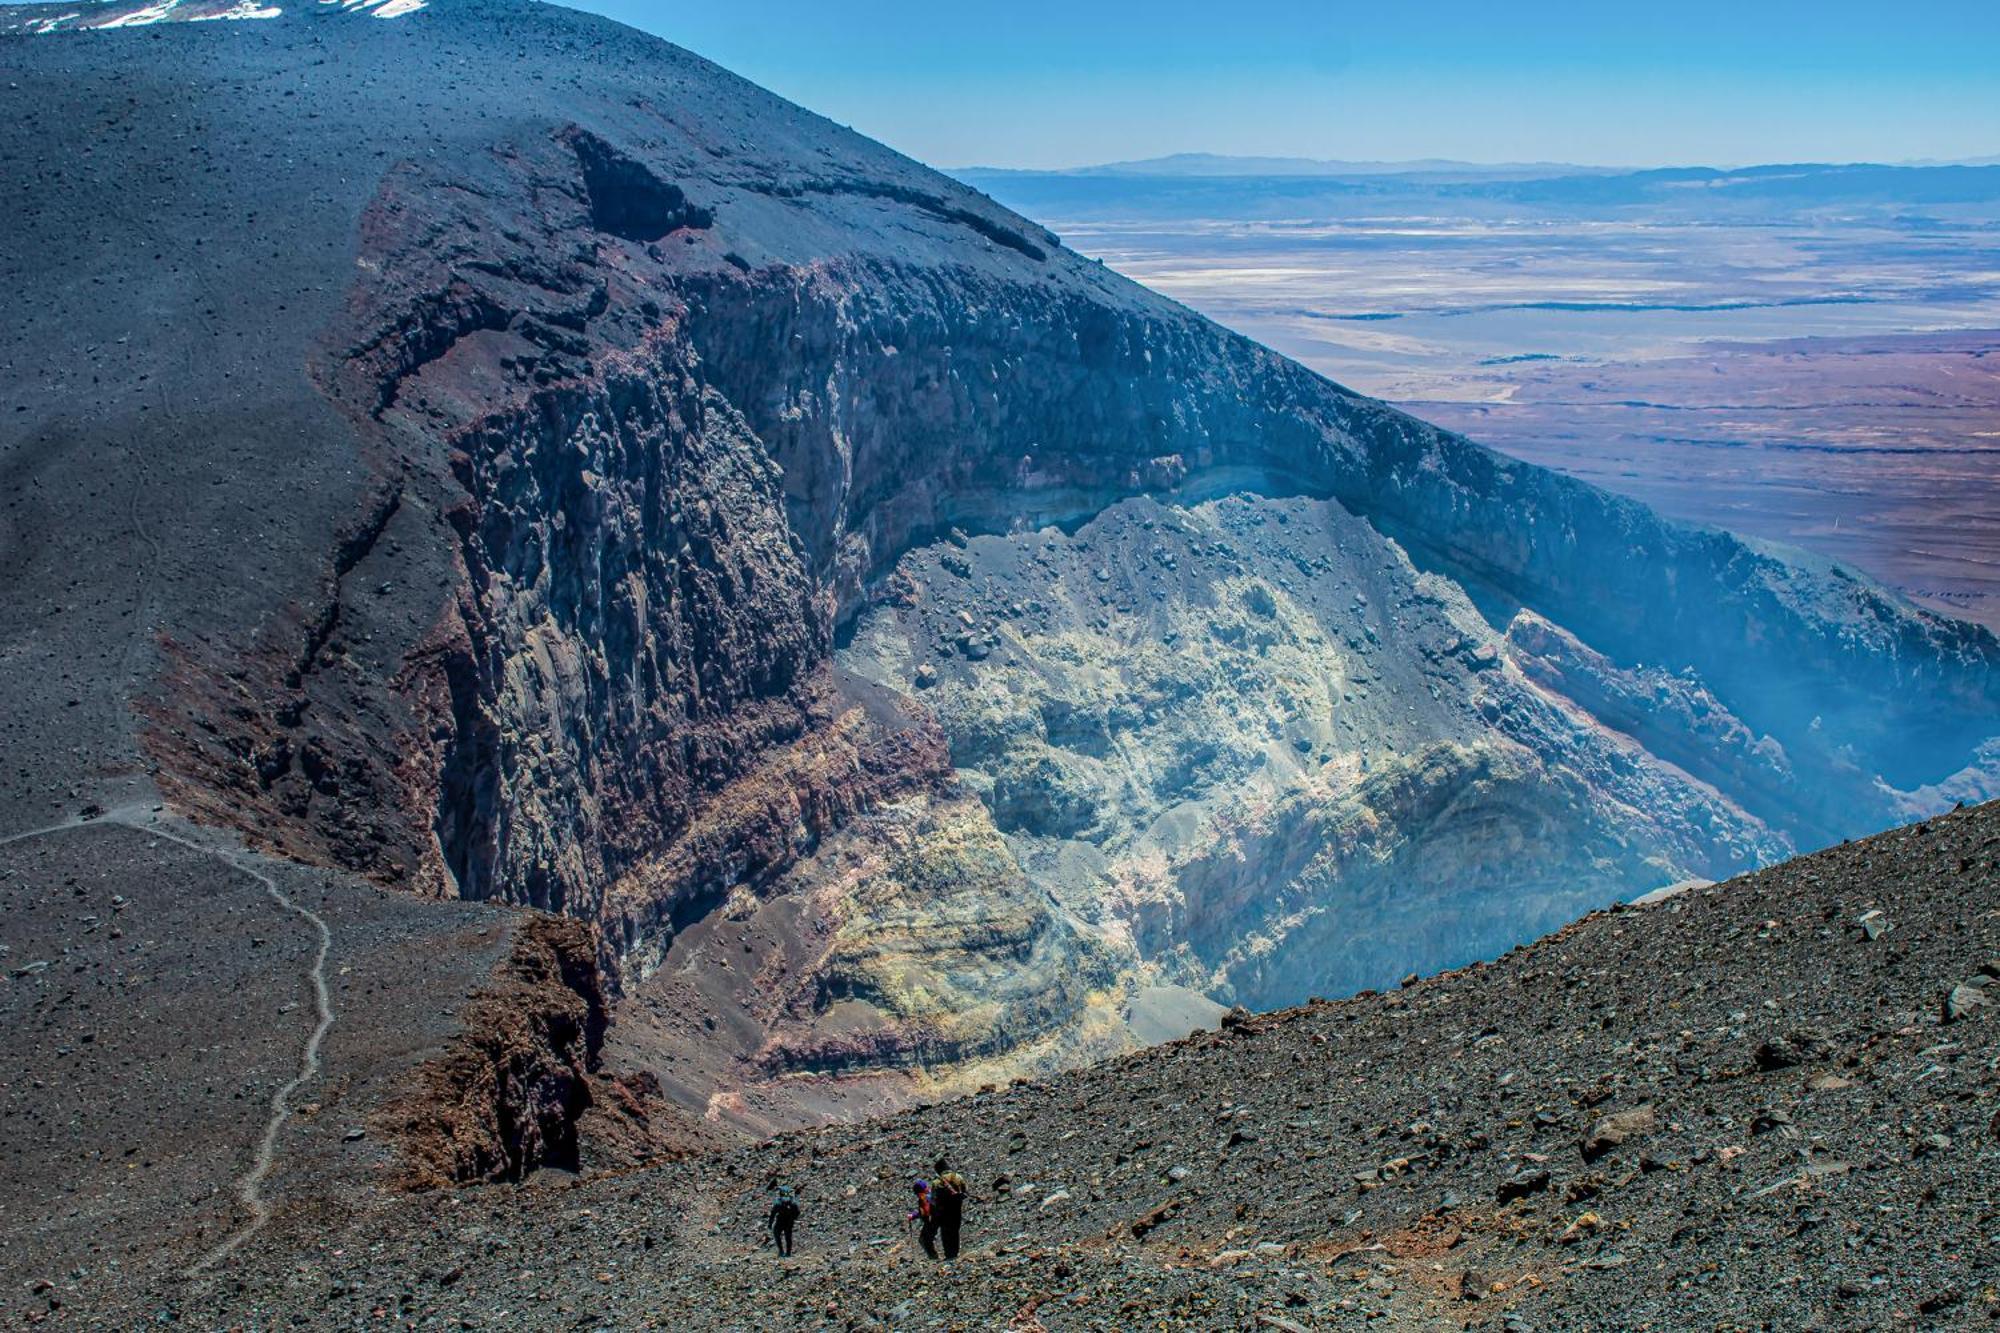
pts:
[1028, 83]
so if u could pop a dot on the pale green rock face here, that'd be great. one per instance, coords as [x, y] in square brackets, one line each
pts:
[1252, 748]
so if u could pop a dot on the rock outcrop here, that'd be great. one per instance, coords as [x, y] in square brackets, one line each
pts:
[508, 1096]
[496, 534]
[521, 1085]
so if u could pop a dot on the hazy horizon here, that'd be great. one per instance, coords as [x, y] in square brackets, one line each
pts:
[1488, 164]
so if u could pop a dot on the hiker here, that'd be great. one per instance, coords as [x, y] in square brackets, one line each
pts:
[948, 1206]
[784, 1213]
[926, 1216]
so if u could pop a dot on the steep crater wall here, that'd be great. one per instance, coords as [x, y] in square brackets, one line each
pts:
[656, 460]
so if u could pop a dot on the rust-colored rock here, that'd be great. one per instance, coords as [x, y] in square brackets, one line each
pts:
[520, 1087]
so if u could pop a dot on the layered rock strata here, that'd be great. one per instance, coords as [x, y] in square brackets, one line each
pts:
[496, 532]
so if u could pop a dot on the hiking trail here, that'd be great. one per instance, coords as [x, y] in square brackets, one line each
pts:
[249, 1188]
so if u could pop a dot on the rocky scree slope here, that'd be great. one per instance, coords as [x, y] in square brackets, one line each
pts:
[1765, 1104]
[455, 448]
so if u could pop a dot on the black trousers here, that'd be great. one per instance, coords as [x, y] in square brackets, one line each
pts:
[782, 1233]
[936, 1229]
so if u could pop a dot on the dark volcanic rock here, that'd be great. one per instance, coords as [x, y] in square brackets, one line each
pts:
[475, 448]
[1802, 1046]
[1857, 1202]
[1522, 1185]
[452, 444]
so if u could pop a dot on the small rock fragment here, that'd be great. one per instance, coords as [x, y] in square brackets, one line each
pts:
[1797, 1047]
[1964, 1001]
[1281, 1323]
[1585, 1225]
[1615, 1130]
[1771, 1120]
[1522, 1184]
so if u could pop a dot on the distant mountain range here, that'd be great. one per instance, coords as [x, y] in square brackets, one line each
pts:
[1191, 165]
[1220, 164]
[1196, 185]
[1992, 160]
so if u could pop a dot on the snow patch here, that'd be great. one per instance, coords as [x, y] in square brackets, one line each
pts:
[242, 9]
[200, 11]
[140, 17]
[381, 9]
[190, 11]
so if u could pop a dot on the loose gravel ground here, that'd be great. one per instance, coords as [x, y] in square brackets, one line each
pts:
[1765, 1105]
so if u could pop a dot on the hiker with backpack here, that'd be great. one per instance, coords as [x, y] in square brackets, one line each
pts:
[925, 1217]
[947, 1206]
[784, 1215]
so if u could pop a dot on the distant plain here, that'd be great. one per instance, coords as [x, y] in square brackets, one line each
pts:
[1808, 355]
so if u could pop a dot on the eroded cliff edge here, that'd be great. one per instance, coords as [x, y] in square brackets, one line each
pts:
[638, 393]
